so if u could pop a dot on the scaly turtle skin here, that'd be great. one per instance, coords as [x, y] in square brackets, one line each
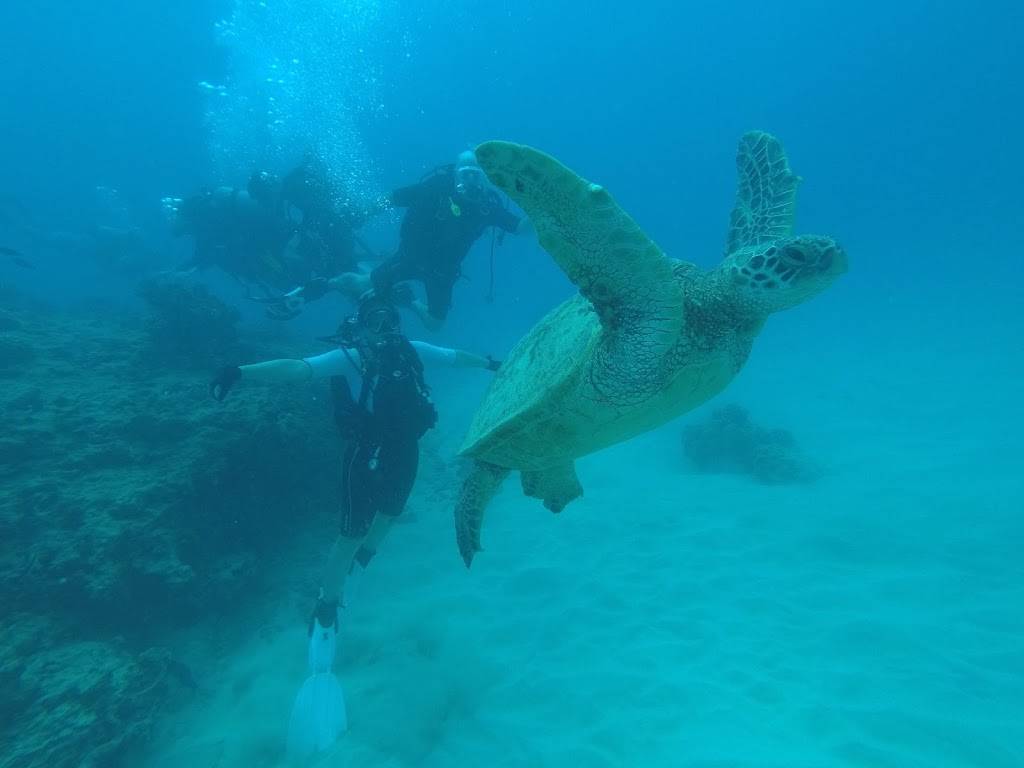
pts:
[647, 338]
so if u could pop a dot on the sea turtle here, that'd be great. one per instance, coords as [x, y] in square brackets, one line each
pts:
[646, 339]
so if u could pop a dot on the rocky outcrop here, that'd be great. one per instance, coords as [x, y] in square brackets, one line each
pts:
[186, 325]
[78, 703]
[132, 502]
[730, 442]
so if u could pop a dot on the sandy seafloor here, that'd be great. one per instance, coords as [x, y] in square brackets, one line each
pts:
[672, 619]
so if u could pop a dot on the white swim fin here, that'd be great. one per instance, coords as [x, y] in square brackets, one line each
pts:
[319, 715]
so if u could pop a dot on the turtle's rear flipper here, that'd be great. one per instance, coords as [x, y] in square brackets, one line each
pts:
[556, 486]
[477, 491]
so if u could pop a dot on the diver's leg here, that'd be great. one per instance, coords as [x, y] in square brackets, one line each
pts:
[396, 475]
[351, 284]
[339, 562]
[439, 301]
[357, 514]
[378, 532]
[399, 463]
[380, 279]
[395, 270]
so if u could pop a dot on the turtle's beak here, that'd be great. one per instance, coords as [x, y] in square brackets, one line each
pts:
[834, 262]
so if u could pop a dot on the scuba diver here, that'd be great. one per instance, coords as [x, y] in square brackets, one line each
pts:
[275, 234]
[244, 232]
[381, 421]
[329, 219]
[445, 214]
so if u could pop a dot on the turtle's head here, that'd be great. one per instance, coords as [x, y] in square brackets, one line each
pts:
[783, 273]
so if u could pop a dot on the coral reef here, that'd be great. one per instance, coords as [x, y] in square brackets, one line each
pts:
[730, 442]
[71, 702]
[133, 504]
[187, 326]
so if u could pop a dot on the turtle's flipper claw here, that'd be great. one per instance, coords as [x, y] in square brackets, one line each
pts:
[477, 491]
[467, 553]
[467, 535]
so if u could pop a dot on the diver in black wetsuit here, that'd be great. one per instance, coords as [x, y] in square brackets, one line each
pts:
[275, 234]
[445, 214]
[244, 232]
[381, 420]
[328, 219]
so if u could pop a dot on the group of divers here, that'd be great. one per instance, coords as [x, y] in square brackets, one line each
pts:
[292, 240]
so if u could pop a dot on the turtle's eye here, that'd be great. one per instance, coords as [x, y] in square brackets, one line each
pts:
[794, 255]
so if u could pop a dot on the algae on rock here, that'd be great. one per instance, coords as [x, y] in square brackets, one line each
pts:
[133, 503]
[187, 325]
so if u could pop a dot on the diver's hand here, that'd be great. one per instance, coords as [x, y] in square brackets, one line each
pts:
[288, 306]
[291, 304]
[225, 379]
[492, 364]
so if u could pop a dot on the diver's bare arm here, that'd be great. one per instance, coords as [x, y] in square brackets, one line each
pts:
[465, 359]
[280, 371]
[352, 284]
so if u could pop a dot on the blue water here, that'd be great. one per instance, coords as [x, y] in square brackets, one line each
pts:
[904, 121]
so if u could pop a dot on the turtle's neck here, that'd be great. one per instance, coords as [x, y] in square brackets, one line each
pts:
[715, 308]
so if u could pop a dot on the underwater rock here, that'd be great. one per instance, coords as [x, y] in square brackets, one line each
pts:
[133, 505]
[127, 488]
[730, 442]
[71, 702]
[187, 327]
[775, 464]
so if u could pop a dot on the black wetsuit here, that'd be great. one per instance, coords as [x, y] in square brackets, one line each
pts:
[249, 238]
[238, 234]
[381, 425]
[437, 232]
[328, 228]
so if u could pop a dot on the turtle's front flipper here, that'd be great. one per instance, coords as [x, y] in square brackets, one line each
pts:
[477, 491]
[765, 206]
[556, 486]
[623, 274]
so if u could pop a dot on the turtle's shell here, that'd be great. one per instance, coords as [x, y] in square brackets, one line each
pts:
[543, 368]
